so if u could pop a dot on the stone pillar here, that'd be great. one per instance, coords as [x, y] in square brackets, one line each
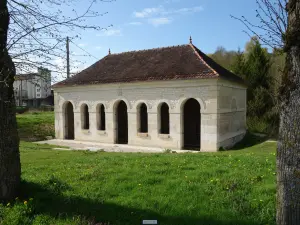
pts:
[152, 125]
[77, 126]
[176, 133]
[59, 125]
[93, 122]
[132, 127]
[110, 129]
[209, 132]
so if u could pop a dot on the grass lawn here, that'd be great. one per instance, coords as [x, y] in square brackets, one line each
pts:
[68, 187]
[35, 126]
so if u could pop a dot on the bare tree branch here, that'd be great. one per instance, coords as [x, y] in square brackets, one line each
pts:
[38, 30]
[272, 25]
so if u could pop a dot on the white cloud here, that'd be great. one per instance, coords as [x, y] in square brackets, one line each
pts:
[161, 11]
[98, 47]
[111, 32]
[188, 10]
[148, 12]
[159, 21]
[135, 23]
[171, 1]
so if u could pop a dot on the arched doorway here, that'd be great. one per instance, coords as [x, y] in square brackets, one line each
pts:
[191, 125]
[122, 123]
[69, 121]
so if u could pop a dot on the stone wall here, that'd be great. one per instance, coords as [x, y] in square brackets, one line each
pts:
[174, 93]
[231, 114]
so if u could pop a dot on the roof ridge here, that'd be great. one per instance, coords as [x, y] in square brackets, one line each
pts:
[151, 49]
[199, 56]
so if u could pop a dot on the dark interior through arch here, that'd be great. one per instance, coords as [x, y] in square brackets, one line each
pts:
[143, 118]
[164, 119]
[69, 122]
[191, 124]
[122, 123]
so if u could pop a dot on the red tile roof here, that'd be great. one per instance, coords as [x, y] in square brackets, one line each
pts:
[170, 63]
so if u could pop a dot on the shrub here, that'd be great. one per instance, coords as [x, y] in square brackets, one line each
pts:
[257, 125]
[21, 109]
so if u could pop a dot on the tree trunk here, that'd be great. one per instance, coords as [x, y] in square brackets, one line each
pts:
[10, 168]
[288, 150]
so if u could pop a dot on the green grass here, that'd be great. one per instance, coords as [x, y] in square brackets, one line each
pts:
[35, 126]
[67, 187]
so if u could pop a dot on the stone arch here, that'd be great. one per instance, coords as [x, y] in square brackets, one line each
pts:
[182, 101]
[68, 120]
[117, 101]
[138, 103]
[190, 114]
[161, 101]
[101, 116]
[65, 102]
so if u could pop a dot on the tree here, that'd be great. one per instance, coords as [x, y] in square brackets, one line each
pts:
[288, 150]
[254, 68]
[10, 168]
[258, 65]
[223, 57]
[238, 65]
[31, 34]
[281, 23]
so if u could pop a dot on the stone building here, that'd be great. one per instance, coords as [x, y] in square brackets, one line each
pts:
[32, 89]
[173, 97]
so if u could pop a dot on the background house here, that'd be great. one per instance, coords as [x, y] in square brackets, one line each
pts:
[33, 89]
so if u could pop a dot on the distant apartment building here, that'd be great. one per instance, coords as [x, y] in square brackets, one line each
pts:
[33, 89]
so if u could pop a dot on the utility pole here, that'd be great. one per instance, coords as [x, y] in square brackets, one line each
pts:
[68, 59]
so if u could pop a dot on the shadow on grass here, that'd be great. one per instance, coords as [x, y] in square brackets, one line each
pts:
[49, 201]
[248, 141]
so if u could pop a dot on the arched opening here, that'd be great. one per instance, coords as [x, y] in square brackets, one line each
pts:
[142, 119]
[69, 121]
[101, 117]
[122, 123]
[191, 125]
[85, 118]
[164, 119]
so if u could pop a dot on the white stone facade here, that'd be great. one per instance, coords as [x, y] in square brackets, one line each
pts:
[222, 103]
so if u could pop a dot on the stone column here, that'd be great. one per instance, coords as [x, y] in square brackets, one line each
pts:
[93, 122]
[132, 127]
[110, 129]
[209, 132]
[152, 125]
[77, 126]
[176, 133]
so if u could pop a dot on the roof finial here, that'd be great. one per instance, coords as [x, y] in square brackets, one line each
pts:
[191, 40]
[109, 52]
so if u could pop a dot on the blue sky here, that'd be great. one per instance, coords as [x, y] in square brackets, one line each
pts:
[144, 24]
